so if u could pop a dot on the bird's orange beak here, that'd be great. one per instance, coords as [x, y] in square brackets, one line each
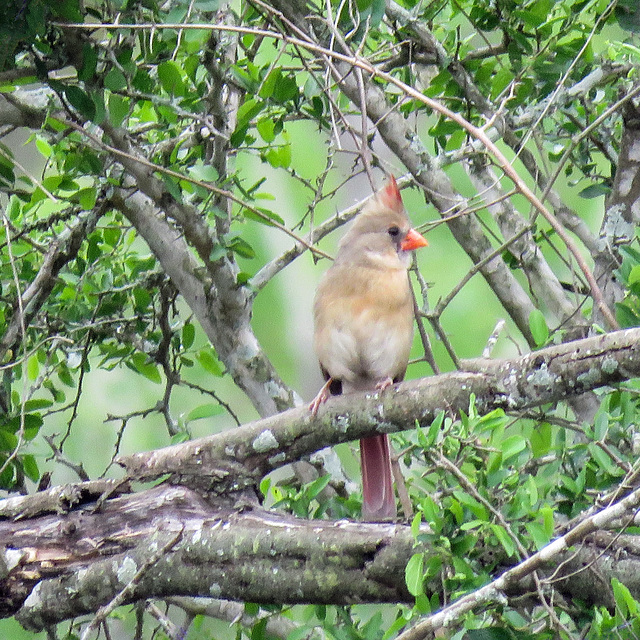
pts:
[413, 240]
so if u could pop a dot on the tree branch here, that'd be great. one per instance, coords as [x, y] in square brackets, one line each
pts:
[222, 312]
[239, 458]
[622, 211]
[62, 568]
[62, 250]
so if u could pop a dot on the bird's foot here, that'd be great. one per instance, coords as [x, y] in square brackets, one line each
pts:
[384, 384]
[321, 398]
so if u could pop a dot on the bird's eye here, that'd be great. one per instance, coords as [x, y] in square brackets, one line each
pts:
[393, 231]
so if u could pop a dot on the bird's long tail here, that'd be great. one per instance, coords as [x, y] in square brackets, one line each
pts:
[378, 500]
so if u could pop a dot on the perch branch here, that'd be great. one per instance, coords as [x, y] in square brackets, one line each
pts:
[239, 458]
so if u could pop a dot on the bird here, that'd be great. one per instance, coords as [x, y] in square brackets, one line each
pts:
[363, 325]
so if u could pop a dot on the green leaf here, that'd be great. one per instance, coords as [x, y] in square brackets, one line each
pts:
[512, 446]
[472, 524]
[239, 136]
[30, 467]
[87, 198]
[600, 425]
[300, 632]
[625, 602]
[371, 629]
[538, 534]
[248, 110]
[118, 109]
[179, 438]
[531, 19]
[209, 362]
[204, 172]
[142, 299]
[170, 78]
[8, 441]
[37, 403]
[457, 511]
[32, 424]
[539, 328]
[268, 215]
[172, 186]
[143, 366]
[547, 519]
[207, 5]
[115, 80]
[540, 439]
[378, 8]
[245, 79]
[14, 208]
[89, 63]
[80, 101]
[269, 83]
[500, 81]
[33, 367]
[209, 410]
[143, 82]
[188, 335]
[478, 509]
[432, 512]
[266, 129]
[603, 460]
[399, 623]
[634, 275]
[265, 485]
[626, 317]
[315, 487]
[595, 190]
[416, 524]
[285, 89]
[69, 10]
[239, 245]
[493, 420]
[414, 574]
[434, 429]
[504, 539]
[112, 235]
[279, 157]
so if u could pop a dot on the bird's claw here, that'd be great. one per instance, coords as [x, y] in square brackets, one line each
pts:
[384, 384]
[321, 398]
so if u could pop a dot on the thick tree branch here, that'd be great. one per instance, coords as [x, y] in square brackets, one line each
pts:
[66, 565]
[240, 458]
[223, 310]
[73, 564]
[170, 541]
[622, 212]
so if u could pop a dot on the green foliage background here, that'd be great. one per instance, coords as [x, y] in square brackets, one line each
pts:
[99, 331]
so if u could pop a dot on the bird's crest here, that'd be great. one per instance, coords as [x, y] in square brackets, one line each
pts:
[390, 196]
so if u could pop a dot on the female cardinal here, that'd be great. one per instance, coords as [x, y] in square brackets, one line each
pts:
[363, 315]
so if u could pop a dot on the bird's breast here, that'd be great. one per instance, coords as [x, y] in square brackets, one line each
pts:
[364, 324]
